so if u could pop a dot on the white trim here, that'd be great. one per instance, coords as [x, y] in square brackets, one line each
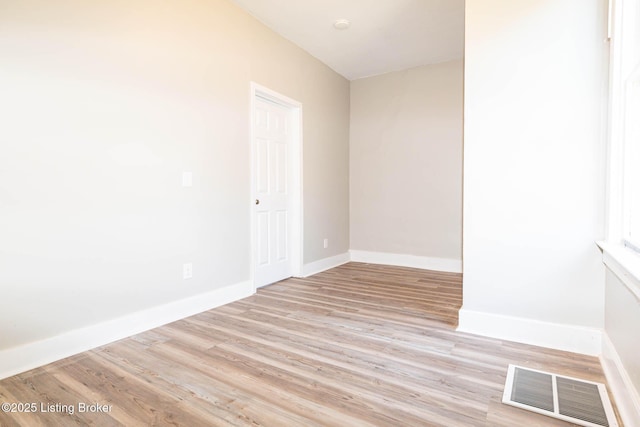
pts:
[615, 150]
[325, 264]
[624, 263]
[296, 239]
[404, 260]
[32, 355]
[577, 339]
[625, 394]
[609, 19]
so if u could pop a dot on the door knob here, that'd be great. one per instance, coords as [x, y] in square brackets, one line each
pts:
[257, 202]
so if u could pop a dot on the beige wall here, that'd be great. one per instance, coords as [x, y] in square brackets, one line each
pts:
[103, 106]
[406, 162]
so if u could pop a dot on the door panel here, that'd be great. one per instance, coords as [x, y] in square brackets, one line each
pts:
[281, 168]
[282, 234]
[262, 164]
[271, 147]
[263, 237]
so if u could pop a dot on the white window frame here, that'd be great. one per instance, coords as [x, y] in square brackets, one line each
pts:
[631, 174]
[620, 252]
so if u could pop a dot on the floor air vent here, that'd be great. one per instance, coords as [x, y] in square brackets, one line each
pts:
[581, 402]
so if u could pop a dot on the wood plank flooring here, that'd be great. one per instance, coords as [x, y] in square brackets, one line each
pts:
[358, 345]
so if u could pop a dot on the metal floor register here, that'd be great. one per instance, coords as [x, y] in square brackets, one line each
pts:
[581, 402]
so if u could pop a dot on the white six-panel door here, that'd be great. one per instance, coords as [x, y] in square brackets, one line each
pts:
[271, 154]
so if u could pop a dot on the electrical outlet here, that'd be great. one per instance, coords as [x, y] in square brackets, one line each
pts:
[187, 271]
[326, 243]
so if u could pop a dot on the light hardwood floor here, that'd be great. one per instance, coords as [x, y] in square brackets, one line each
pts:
[358, 345]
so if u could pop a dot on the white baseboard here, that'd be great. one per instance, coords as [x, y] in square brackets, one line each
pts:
[325, 264]
[622, 388]
[403, 260]
[559, 336]
[32, 355]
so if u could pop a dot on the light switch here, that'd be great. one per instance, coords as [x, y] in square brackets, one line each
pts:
[187, 270]
[187, 179]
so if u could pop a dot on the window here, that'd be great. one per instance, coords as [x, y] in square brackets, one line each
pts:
[631, 136]
[624, 136]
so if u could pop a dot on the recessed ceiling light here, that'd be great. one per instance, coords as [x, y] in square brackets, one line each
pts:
[341, 24]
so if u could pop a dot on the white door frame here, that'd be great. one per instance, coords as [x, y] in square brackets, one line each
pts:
[296, 238]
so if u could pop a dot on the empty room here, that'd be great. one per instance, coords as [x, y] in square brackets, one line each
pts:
[320, 213]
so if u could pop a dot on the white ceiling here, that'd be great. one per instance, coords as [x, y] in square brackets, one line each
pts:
[385, 35]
